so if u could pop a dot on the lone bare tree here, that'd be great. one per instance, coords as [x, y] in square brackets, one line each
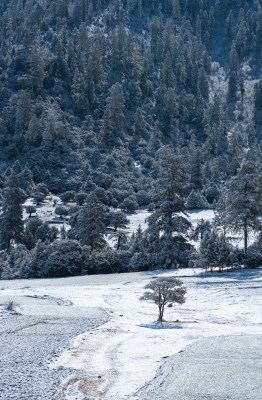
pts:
[163, 291]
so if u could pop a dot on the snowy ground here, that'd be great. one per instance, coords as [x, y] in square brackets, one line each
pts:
[114, 360]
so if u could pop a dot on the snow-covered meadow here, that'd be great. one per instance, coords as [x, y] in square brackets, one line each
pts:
[104, 343]
[114, 360]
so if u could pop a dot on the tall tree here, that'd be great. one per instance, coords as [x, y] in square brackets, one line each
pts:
[88, 226]
[11, 218]
[244, 197]
[169, 225]
[114, 114]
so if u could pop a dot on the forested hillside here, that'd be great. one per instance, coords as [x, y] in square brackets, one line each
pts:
[131, 103]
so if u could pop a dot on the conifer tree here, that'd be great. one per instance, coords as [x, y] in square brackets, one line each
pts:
[168, 225]
[214, 251]
[244, 197]
[11, 218]
[89, 224]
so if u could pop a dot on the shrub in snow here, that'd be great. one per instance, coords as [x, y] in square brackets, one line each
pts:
[11, 306]
[196, 201]
[61, 211]
[39, 197]
[129, 204]
[107, 262]
[67, 196]
[116, 219]
[164, 290]
[212, 194]
[64, 259]
[42, 188]
[143, 198]
[237, 257]
[253, 257]
[143, 262]
[80, 198]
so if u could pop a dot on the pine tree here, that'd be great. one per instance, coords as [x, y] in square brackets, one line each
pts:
[214, 251]
[37, 70]
[138, 241]
[244, 197]
[89, 224]
[196, 201]
[196, 171]
[11, 219]
[168, 225]
[24, 112]
[37, 260]
[114, 116]
[232, 88]
[200, 229]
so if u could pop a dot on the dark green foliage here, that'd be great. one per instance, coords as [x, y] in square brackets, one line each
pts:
[11, 220]
[91, 90]
[88, 224]
[214, 251]
[196, 201]
[61, 211]
[116, 220]
[30, 210]
[244, 197]
[168, 225]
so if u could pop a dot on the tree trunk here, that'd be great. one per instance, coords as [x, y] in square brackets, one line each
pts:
[161, 312]
[118, 242]
[245, 237]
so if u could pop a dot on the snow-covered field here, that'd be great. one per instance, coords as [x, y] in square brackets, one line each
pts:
[114, 360]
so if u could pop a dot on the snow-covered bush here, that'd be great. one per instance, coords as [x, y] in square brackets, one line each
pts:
[212, 194]
[61, 211]
[144, 262]
[129, 204]
[67, 196]
[107, 262]
[64, 259]
[253, 257]
[13, 263]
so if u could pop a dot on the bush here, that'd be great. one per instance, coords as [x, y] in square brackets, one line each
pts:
[107, 262]
[143, 262]
[60, 210]
[41, 187]
[39, 197]
[237, 257]
[253, 257]
[67, 196]
[65, 259]
[129, 205]
[10, 305]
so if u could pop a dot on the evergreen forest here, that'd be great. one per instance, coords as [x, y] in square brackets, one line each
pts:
[120, 105]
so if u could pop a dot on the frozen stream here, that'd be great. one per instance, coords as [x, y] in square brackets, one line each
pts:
[121, 359]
